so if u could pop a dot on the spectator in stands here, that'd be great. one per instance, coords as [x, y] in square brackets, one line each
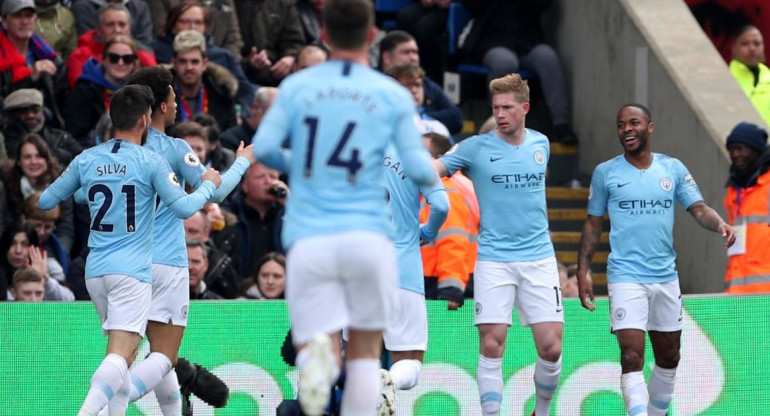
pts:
[28, 285]
[412, 77]
[426, 20]
[259, 206]
[33, 170]
[190, 15]
[24, 112]
[272, 36]
[44, 223]
[221, 21]
[221, 275]
[217, 157]
[56, 24]
[201, 86]
[28, 61]
[263, 99]
[308, 56]
[87, 17]
[269, 279]
[197, 256]
[114, 19]
[568, 280]
[507, 36]
[90, 99]
[310, 16]
[20, 248]
[748, 190]
[399, 46]
[195, 135]
[749, 69]
[449, 260]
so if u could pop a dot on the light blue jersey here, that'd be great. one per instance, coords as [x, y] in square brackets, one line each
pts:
[641, 207]
[168, 236]
[510, 186]
[120, 180]
[339, 118]
[403, 196]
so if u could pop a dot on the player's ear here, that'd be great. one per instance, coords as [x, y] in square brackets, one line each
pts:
[372, 35]
[163, 107]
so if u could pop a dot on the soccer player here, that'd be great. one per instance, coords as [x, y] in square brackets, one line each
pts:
[516, 260]
[638, 189]
[406, 335]
[339, 117]
[120, 179]
[170, 272]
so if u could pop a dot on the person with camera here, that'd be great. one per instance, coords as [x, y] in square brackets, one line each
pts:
[259, 206]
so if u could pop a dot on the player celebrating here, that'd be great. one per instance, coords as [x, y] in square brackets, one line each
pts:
[516, 260]
[406, 335]
[120, 179]
[341, 265]
[170, 272]
[638, 189]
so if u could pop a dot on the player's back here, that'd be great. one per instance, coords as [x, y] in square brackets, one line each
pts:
[341, 117]
[117, 178]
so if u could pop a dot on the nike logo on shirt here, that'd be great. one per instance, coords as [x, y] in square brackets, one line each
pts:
[620, 185]
[494, 159]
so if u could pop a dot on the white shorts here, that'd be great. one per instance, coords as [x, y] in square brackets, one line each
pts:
[407, 329]
[339, 280]
[121, 301]
[646, 306]
[532, 286]
[170, 294]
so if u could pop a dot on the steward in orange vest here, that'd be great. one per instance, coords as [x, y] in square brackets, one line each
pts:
[748, 210]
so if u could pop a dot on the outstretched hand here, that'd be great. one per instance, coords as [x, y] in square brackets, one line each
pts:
[247, 152]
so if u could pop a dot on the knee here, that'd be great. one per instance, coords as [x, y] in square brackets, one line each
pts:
[631, 360]
[669, 360]
[551, 352]
[501, 61]
[492, 347]
[544, 54]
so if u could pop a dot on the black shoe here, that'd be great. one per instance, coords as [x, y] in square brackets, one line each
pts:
[564, 134]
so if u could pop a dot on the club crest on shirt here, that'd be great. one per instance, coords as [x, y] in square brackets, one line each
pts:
[539, 157]
[666, 184]
[191, 159]
[172, 178]
[690, 181]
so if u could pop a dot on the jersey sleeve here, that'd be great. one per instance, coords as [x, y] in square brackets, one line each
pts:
[231, 179]
[437, 197]
[687, 191]
[188, 164]
[168, 188]
[459, 156]
[417, 161]
[62, 188]
[597, 194]
[273, 129]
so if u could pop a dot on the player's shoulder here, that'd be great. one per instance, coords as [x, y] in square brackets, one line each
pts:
[536, 138]
[610, 164]
[668, 161]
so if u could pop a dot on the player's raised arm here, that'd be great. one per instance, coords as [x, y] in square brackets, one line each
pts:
[183, 205]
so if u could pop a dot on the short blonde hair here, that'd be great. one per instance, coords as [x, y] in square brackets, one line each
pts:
[188, 40]
[511, 83]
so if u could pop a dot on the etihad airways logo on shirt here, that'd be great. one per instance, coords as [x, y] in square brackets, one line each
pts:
[646, 206]
[520, 180]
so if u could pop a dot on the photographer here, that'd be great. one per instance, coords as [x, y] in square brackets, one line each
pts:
[259, 206]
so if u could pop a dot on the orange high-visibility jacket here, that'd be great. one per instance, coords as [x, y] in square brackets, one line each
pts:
[750, 272]
[451, 257]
